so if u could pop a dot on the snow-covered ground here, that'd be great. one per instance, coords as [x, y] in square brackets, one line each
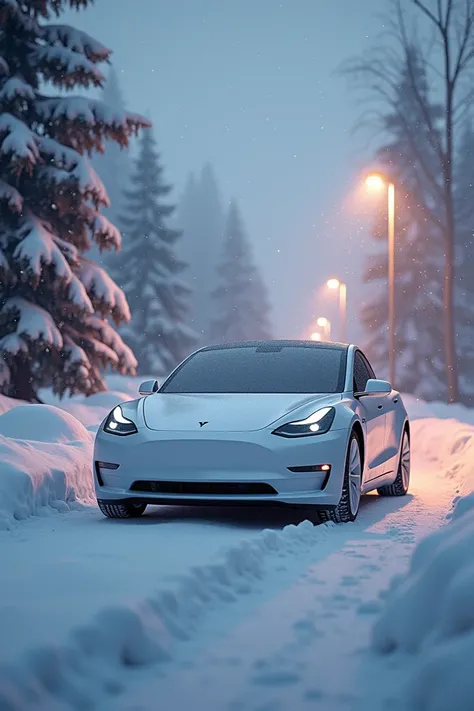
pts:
[229, 609]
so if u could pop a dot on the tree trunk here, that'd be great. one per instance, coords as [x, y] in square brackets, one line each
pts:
[449, 310]
[449, 262]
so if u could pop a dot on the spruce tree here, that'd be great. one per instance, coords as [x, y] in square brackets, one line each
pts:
[202, 219]
[240, 302]
[149, 272]
[55, 305]
[419, 252]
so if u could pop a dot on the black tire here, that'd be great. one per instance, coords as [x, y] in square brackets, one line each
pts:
[401, 483]
[343, 513]
[130, 510]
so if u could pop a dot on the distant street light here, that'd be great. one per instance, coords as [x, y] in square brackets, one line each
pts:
[378, 182]
[325, 324]
[342, 289]
[315, 336]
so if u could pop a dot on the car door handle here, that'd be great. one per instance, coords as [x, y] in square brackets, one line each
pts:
[379, 407]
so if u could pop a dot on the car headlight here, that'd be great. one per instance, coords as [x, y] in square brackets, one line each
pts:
[118, 424]
[317, 423]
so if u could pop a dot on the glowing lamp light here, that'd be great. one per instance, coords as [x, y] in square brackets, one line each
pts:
[325, 468]
[333, 283]
[375, 182]
[315, 336]
[322, 322]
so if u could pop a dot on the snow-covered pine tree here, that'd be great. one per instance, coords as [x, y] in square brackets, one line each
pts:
[148, 270]
[419, 252]
[240, 303]
[201, 217]
[54, 304]
[464, 206]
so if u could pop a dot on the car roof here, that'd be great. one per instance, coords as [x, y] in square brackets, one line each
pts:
[276, 345]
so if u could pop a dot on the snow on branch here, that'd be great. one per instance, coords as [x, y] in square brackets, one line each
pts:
[77, 113]
[105, 234]
[127, 362]
[78, 295]
[75, 354]
[77, 41]
[33, 324]
[11, 196]
[104, 292]
[19, 143]
[66, 164]
[15, 88]
[63, 156]
[38, 248]
[82, 178]
[65, 68]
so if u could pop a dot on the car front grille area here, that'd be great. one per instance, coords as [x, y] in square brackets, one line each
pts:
[215, 488]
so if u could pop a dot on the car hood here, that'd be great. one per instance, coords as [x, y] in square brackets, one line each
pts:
[225, 412]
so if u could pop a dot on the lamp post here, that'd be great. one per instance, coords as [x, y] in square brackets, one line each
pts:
[325, 324]
[377, 182]
[342, 289]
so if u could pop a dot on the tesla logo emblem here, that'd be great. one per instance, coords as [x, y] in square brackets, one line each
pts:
[201, 424]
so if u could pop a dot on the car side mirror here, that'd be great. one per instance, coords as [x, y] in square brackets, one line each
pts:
[376, 387]
[148, 387]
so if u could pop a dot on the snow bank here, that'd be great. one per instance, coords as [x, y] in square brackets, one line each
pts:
[455, 458]
[419, 409]
[429, 612]
[92, 410]
[91, 667]
[45, 462]
[6, 403]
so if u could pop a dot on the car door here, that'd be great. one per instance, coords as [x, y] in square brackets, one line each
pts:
[374, 412]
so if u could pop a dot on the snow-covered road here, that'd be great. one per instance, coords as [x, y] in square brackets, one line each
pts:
[200, 604]
[303, 639]
[62, 570]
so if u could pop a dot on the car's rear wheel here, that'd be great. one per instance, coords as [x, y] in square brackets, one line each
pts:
[348, 506]
[128, 510]
[402, 482]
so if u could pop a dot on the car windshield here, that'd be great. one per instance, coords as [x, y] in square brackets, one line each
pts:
[260, 369]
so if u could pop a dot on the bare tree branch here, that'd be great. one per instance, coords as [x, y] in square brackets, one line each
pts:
[435, 20]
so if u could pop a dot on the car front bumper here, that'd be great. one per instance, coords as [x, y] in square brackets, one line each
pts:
[171, 461]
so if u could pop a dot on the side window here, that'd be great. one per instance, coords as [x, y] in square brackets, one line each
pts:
[361, 373]
[372, 375]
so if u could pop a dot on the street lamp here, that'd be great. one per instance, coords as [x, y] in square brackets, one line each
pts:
[315, 336]
[325, 324]
[342, 288]
[377, 182]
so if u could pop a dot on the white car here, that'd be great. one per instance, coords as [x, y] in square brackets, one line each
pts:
[273, 422]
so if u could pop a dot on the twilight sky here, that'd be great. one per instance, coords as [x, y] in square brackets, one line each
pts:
[250, 86]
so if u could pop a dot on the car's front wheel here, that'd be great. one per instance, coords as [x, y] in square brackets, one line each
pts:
[348, 506]
[128, 510]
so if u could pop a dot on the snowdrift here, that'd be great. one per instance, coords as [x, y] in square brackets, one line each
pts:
[45, 462]
[90, 668]
[429, 611]
[93, 409]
